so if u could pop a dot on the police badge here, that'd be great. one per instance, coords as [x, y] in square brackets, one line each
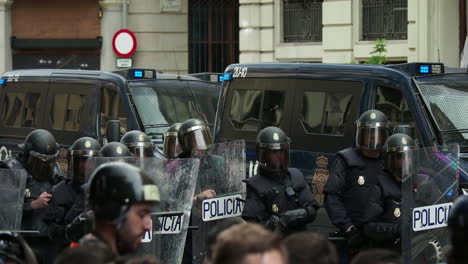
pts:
[27, 193]
[397, 212]
[361, 180]
[275, 208]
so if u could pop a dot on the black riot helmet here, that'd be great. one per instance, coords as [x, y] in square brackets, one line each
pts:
[78, 154]
[115, 150]
[273, 150]
[458, 228]
[193, 135]
[171, 146]
[14, 249]
[115, 187]
[404, 129]
[138, 143]
[394, 157]
[40, 151]
[372, 129]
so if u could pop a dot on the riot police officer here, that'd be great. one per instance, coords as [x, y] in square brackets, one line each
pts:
[458, 231]
[122, 197]
[278, 196]
[38, 157]
[171, 148]
[384, 209]
[195, 141]
[139, 144]
[68, 196]
[115, 150]
[353, 175]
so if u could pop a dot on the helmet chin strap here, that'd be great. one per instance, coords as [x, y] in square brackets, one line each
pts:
[120, 220]
[118, 223]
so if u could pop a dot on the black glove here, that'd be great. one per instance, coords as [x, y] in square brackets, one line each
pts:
[275, 224]
[380, 231]
[295, 217]
[80, 226]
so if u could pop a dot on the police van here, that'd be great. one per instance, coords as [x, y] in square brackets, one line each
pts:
[317, 106]
[76, 103]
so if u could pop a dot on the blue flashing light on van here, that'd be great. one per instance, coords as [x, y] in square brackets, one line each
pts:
[138, 74]
[424, 69]
[227, 77]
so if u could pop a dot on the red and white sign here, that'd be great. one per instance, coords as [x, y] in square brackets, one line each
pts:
[124, 43]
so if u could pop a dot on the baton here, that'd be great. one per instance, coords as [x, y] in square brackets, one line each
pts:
[164, 214]
[22, 231]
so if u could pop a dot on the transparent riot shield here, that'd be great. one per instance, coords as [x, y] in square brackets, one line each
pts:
[430, 185]
[222, 170]
[176, 181]
[12, 192]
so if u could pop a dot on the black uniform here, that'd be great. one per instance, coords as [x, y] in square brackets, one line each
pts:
[384, 211]
[278, 196]
[268, 196]
[33, 220]
[67, 203]
[348, 188]
[68, 196]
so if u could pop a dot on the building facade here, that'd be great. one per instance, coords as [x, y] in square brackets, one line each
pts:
[344, 31]
[172, 35]
[207, 35]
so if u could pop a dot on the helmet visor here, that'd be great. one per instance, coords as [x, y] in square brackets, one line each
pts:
[143, 151]
[397, 163]
[41, 168]
[274, 159]
[80, 167]
[44, 157]
[371, 138]
[199, 139]
[171, 147]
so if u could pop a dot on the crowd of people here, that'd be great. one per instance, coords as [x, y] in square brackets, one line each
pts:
[100, 214]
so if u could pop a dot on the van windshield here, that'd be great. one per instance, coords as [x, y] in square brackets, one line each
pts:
[446, 96]
[162, 103]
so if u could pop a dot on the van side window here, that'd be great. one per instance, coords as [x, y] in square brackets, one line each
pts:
[392, 103]
[66, 111]
[112, 108]
[325, 113]
[245, 109]
[273, 108]
[20, 109]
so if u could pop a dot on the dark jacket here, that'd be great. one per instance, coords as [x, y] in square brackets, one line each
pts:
[347, 190]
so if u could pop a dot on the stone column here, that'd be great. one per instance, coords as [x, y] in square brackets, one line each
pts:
[249, 35]
[5, 36]
[267, 39]
[337, 31]
[111, 22]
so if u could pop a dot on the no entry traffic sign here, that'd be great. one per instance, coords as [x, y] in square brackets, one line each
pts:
[124, 43]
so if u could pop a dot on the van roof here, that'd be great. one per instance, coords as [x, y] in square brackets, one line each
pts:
[63, 72]
[322, 68]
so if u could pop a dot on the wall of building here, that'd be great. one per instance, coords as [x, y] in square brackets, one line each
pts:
[162, 35]
[55, 19]
[432, 34]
